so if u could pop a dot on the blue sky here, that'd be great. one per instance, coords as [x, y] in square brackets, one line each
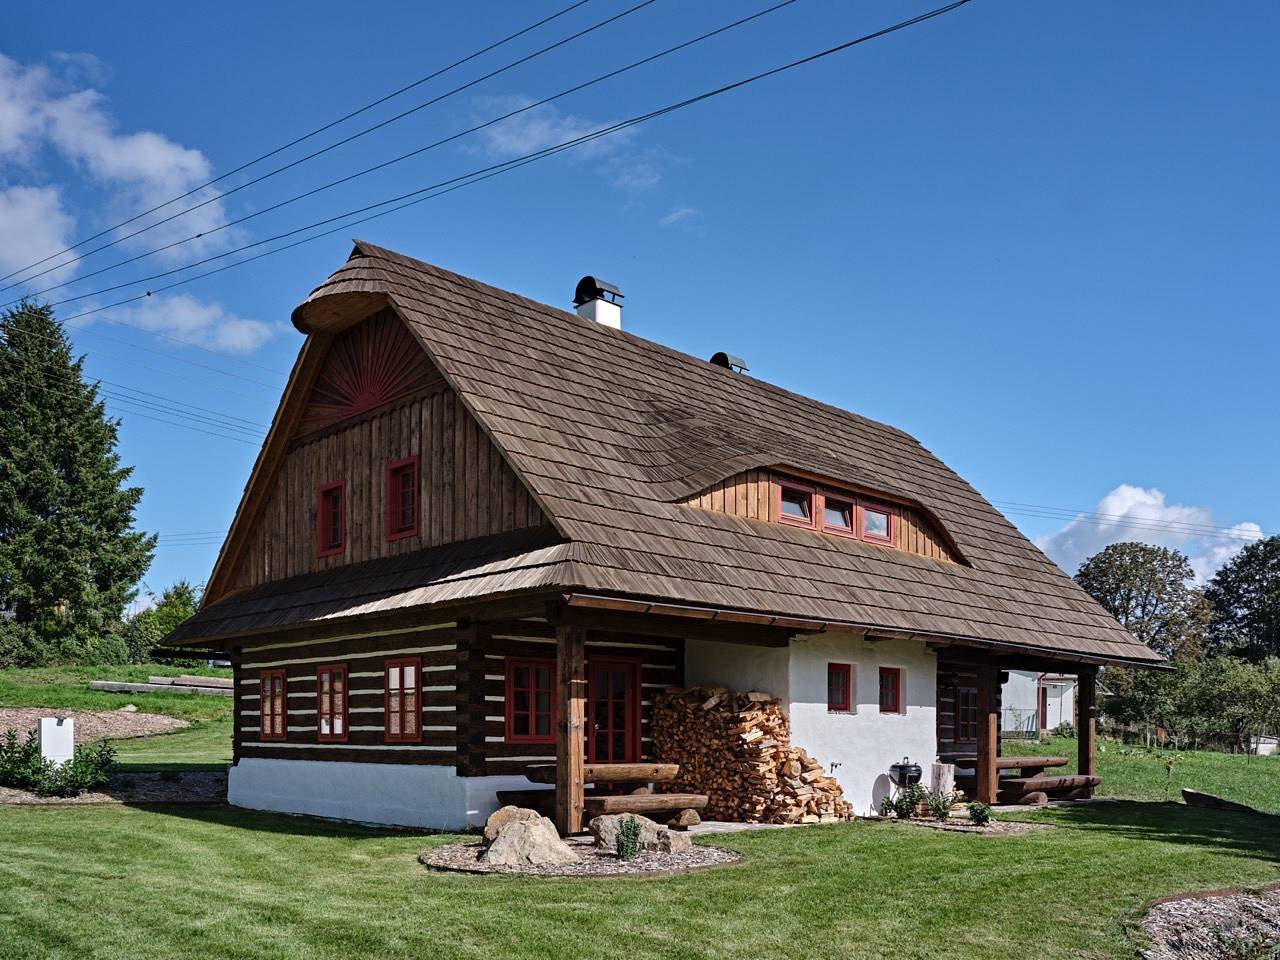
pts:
[1041, 238]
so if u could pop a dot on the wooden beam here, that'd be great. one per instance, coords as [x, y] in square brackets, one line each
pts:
[987, 771]
[571, 694]
[1087, 723]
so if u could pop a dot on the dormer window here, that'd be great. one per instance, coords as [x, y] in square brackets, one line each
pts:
[402, 499]
[331, 520]
[837, 515]
[795, 505]
[877, 522]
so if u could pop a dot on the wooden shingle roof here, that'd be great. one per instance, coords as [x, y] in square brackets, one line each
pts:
[609, 430]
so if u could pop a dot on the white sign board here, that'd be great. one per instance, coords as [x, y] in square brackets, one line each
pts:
[57, 739]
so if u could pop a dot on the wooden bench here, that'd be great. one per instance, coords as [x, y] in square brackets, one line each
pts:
[1028, 766]
[682, 807]
[645, 803]
[643, 774]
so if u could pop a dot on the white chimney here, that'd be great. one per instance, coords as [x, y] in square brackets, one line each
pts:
[597, 301]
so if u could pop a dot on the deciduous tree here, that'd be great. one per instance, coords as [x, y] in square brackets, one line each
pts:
[1246, 602]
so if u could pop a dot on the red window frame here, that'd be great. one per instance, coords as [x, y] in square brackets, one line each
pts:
[273, 705]
[863, 506]
[326, 544]
[808, 492]
[966, 725]
[839, 680]
[402, 702]
[395, 516]
[337, 713]
[893, 703]
[841, 530]
[532, 665]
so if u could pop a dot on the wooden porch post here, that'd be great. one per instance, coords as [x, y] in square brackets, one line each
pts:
[1087, 722]
[988, 732]
[571, 690]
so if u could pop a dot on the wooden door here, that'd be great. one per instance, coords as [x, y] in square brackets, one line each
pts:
[1044, 708]
[613, 695]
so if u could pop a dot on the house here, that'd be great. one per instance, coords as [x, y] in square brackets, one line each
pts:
[483, 533]
[1032, 702]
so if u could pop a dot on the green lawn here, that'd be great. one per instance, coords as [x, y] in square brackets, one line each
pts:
[1136, 773]
[214, 882]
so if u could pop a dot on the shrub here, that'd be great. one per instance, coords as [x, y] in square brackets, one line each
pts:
[980, 813]
[22, 766]
[1065, 729]
[905, 805]
[628, 844]
[939, 804]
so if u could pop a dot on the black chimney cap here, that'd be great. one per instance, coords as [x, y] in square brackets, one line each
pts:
[593, 288]
[729, 361]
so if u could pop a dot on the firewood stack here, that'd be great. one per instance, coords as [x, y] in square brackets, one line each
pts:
[736, 748]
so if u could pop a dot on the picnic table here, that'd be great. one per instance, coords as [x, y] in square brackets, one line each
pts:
[1028, 766]
[680, 810]
[1024, 780]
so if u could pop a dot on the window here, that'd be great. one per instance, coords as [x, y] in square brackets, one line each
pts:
[839, 687]
[401, 723]
[331, 520]
[795, 505]
[877, 523]
[966, 714]
[837, 515]
[402, 499]
[331, 704]
[272, 707]
[890, 690]
[531, 715]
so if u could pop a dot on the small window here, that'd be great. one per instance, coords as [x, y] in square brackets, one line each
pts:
[837, 515]
[530, 701]
[402, 722]
[331, 520]
[795, 505]
[331, 704]
[839, 687]
[272, 705]
[966, 714]
[890, 690]
[877, 523]
[402, 499]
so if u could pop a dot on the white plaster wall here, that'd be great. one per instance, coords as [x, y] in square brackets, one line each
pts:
[408, 795]
[737, 666]
[858, 747]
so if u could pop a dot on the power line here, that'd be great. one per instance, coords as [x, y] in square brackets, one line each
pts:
[304, 137]
[1147, 524]
[412, 153]
[311, 156]
[484, 173]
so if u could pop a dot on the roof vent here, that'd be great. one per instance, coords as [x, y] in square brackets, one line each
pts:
[597, 301]
[729, 362]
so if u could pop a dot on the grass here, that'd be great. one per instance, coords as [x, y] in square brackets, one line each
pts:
[214, 882]
[1136, 773]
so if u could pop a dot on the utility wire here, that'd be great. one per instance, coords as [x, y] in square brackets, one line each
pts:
[418, 151]
[304, 137]
[484, 173]
[311, 156]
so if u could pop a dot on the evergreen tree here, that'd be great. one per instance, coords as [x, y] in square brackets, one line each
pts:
[69, 556]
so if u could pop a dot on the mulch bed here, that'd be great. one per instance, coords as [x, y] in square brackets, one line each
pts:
[1217, 927]
[996, 828]
[92, 724]
[196, 786]
[462, 858]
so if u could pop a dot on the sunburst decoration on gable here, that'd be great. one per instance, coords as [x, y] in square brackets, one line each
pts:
[369, 365]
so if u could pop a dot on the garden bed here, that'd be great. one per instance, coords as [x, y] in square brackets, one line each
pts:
[92, 725]
[464, 858]
[161, 787]
[996, 828]
[1219, 927]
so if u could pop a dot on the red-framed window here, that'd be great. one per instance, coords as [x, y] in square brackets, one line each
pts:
[331, 519]
[273, 705]
[402, 720]
[966, 714]
[402, 498]
[331, 703]
[795, 504]
[530, 701]
[839, 687]
[891, 690]
[838, 514]
[875, 522]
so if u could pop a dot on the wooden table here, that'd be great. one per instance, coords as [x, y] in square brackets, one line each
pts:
[638, 773]
[680, 810]
[1029, 766]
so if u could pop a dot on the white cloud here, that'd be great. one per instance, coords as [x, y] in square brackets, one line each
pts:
[195, 322]
[681, 215]
[1133, 513]
[32, 222]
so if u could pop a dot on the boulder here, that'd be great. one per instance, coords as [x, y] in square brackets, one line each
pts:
[653, 837]
[522, 843]
[504, 815]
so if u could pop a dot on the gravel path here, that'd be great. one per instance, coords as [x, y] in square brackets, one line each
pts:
[461, 857]
[1223, 927]
[92, 724]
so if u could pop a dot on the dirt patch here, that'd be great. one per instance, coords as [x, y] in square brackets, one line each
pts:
[92, 724]
[197, 786]
[463, 858]
[996, 828]
[1218, 927]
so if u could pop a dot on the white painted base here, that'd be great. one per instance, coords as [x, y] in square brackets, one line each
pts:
[406, 795]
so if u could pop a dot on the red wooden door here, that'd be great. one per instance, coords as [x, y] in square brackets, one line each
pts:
[613, 692]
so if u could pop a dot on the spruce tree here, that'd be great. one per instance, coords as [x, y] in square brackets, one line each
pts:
[69, 556]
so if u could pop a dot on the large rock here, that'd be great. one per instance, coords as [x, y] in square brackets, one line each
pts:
[504, 815]
[523, 843]
[653, 837]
